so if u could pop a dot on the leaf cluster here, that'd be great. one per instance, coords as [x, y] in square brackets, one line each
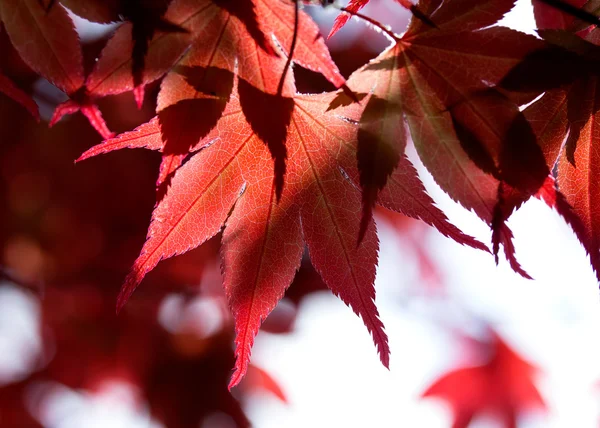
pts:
[279, 172]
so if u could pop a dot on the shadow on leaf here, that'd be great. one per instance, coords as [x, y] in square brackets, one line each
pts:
[381, 141]
[185, 123]
[269, 116]
[245, 12]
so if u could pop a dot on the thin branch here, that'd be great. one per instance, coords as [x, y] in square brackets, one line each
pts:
[288, 63]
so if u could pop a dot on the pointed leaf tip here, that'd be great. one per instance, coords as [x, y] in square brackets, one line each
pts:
[94, 116]
[138, 94]
[61, 110]
[145, 136]
[127, 289]
[90, 111]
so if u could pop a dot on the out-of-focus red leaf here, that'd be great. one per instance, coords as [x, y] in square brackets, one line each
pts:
[8, 88]
[13, 408]
[503, 386]
[415, 234]
[258, 379]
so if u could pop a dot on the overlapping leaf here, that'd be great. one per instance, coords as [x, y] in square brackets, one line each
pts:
[235, 179]
[263, 238]
[47, 41]
[473, 139]
[564, 120]
[210, 23]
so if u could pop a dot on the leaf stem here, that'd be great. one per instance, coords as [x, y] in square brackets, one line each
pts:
[292, 48]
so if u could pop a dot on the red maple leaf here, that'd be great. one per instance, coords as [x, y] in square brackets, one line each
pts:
[502, 386]
[211, 26]
[233, 179]
[474, 140]
[563, 120]
[47, 41]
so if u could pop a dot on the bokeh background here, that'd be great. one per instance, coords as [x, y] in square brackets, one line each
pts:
[69, 233]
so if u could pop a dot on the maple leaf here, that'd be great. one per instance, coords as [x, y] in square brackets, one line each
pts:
[277, 18]
[563, 119]
[145, 18]
[48, 43]
[438, 79]
[218, 33]
[263, 239]
[210, 26]
[577, 166]
[232, 179]
[503, 386]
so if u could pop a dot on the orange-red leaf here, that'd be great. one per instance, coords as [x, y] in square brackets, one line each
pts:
[144, 136]
[263, 239]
